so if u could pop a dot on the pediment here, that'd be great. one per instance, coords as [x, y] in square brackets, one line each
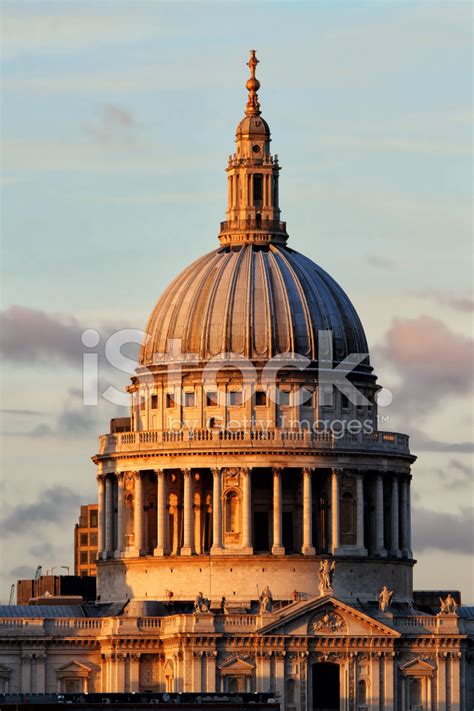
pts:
[74, 667]
[417, 667]
[326, 616]
[236, 665]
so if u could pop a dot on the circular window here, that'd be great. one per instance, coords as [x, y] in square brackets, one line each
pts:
[256, 149]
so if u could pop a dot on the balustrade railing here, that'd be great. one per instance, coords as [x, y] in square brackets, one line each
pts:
[199, 438]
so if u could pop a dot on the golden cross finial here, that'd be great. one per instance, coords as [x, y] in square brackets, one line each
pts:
[252, 63]
[253, 85]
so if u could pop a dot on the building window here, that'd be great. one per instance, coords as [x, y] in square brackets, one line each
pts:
[348, 519]
[170, 401]
[211, 399]
[93, 519]
[83, 558]
[84, 539]
[284, 398]
[154, 402]
[362, 693]
[306, 397]
[257, 187]
[232, 512]
[92, 557]
[344, 402]
[235, 398]
[190, 399]
[260, 398]
[93, 540]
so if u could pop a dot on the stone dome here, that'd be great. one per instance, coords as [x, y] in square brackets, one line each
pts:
[256, 302]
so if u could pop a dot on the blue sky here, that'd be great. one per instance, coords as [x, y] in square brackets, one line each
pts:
[117, 122]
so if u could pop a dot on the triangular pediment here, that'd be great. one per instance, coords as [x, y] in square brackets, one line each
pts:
[417, 667]
[74, 667]
[236, 664]
[326, 616]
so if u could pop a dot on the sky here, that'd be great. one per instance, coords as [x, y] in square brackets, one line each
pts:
[117, 121]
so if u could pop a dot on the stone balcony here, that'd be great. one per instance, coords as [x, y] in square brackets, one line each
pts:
[384, 443]
[234, 623]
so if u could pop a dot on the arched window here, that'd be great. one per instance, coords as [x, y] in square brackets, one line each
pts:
[348, 519]
[129, 528]
[362, 693]
[232, 512]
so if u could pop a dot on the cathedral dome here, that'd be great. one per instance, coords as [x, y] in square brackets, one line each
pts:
[255, 302]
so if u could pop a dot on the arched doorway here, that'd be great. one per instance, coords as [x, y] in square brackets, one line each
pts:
[326, 689]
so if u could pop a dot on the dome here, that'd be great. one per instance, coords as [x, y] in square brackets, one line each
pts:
[255, 302]
[252, 127]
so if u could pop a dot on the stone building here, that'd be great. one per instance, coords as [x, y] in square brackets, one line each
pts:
[86, 541]
[254, 523]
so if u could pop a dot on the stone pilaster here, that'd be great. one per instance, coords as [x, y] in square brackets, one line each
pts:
[138, 516]
[119, 551]
[109, 516]
[101, 516]
[277, 548]
[335, 518]
[308, 548]
[161, 514]
[216, 548]
[188, 541]
[379, 517]
[246, 512]
[394, 518]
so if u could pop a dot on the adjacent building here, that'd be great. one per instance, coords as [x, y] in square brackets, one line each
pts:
[254, 524]
[86, 540]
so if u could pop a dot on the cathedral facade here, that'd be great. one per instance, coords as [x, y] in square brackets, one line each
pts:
[254, 522]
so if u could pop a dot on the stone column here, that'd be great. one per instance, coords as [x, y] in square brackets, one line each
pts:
[335, 527]
[101, 517]
[188, 540]
[138, 516]
[26, 673]
[455, 681]
[277, 548]
[120, 515]
[161, 514]
[360, 514]
[134, 668]
[246, 511]
[216, 547]
[394, 514]
[404, 516]
[441, 683]
[109, 516]
[379, 517]
[410, 552]
[308, 548]
[40, 687]
[389, 680]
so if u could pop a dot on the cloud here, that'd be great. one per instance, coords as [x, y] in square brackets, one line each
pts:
[42, 550]
[21, 572]
[433, 363]
[380, 262]
[457, 303]
[114, 124]
[31, 335]
[447, 532]
[53, 506]
[422, 443]
[70, 422]
[28, 413]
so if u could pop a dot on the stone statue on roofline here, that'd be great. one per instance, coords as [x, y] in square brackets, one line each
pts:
[201, 604]
[385, 599]
[448, 605]
[326, 575]
[266, 600]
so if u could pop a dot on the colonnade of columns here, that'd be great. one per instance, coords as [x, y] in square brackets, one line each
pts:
[388, 508]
